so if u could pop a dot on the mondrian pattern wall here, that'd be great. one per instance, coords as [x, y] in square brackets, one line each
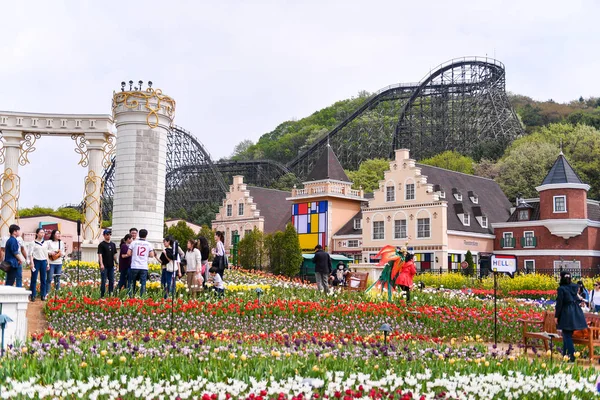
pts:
[310, 221]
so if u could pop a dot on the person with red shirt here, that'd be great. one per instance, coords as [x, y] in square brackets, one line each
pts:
[406, 275]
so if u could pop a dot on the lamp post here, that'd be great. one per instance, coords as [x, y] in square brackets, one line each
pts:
[258, 291]
[4, 319]
[386, 329]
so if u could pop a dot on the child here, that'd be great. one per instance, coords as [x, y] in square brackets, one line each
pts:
[339, 275]
[217, 281]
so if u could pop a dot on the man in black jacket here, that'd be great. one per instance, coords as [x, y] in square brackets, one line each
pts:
[322, 262]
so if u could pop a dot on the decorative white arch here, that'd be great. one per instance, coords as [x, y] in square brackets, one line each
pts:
[377, 217]
[417, 215]
[94, 142]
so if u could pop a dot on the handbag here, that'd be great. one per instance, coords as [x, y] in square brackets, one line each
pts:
[5, 266]
[56, 255]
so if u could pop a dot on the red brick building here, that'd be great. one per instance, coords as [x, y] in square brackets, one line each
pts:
[559, 230]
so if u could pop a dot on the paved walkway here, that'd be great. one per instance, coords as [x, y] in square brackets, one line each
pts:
[36, 319]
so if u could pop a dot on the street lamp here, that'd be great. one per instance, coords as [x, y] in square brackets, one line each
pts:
[258, 291]
[386, 329]
[3, 320]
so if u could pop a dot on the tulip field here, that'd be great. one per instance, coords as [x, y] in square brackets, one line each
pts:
[271, 337]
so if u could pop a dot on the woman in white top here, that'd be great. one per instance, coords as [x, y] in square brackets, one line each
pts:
[39, 265]
[219, 253]
[56, 255]
[595, 298]
[194, 264]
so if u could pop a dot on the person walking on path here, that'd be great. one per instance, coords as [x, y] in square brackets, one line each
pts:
[56, 254]
[219, 253]
[107, 258]
[322, 261]
[13, 255]
[194, 266]
[39, 265]
[139, 251]
[406, 275]
[124, 262]
[568, 315]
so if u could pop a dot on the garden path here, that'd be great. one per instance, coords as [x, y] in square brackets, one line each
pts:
[36, 319]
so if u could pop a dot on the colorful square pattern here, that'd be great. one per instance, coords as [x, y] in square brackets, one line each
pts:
[310, 221]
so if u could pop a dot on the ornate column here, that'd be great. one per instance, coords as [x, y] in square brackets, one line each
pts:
[143, 119]
[9, 180]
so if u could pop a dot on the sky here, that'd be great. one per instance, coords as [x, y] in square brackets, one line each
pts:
[237, 69]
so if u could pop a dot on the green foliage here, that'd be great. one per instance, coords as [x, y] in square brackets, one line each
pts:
[369, 174]
[469, 271]
[199, 214]
[292, 253]
[68, 213]
[274, 251]
[251, 250]
[451, 160]
[286, 182]
[181, 232]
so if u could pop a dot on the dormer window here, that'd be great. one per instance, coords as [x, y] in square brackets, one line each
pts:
[484, 222]
[466, 219]
[457, 194]
[475, 200]
[523, 215]
[357, 224]
[442, 195]
[560, 204]
[390, 193]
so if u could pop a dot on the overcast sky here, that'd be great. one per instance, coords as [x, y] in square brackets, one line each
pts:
[239, 68]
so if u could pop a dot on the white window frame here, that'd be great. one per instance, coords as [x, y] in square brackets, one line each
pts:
[564, 197]
[525, 265]
[388, 198]
[414, 194]
[466, 219]
[352, 241]
[484, 221]
[504, 234]
[525, 236]
[357, 223]
[442, 194]
[458, 196]
[418, 232]
[405, 229]
[373, 230]
[526, 213]
[229, 210]
[240, 209]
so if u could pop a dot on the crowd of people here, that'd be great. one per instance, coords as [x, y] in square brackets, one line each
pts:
[131, 257]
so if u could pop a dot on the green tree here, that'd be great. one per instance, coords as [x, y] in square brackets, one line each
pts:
[286, 182]
[240, 150]
[469, 271]
[35, 211]
[274, 251]
[292, 253]
[251, 250]
[181, 232]
[369, 174]
[451, 160]
[68, 213]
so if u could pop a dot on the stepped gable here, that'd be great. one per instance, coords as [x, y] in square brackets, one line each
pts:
[491, 201]
[328, 167]
[561, 172]
[273, 206]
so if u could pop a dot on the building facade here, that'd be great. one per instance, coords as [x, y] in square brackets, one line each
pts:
[247, 207]
[439, 214]
[559, 230]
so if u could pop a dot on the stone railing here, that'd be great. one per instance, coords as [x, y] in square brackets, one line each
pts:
[334, 189]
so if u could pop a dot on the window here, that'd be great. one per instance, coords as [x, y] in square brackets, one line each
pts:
[560, 204]
[400, 229]
[507, 240]
[241, 209]
[529, 266]
[466, 219]
[442, 195]
[353, 243]
[484, 222]
[528, 239]
[410, 191]
[390, 193]
[475, 200]
[229, 210]
[423, 228]
[523, 215]
[357, 259]
[357, 224]
[378, 230]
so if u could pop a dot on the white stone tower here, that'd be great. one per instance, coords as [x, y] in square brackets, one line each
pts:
[143, 119]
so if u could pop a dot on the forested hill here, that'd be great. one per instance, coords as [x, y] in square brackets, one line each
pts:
[286, 140]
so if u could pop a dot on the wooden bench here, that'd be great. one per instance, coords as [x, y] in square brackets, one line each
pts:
[589, 337]
[356, 281]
